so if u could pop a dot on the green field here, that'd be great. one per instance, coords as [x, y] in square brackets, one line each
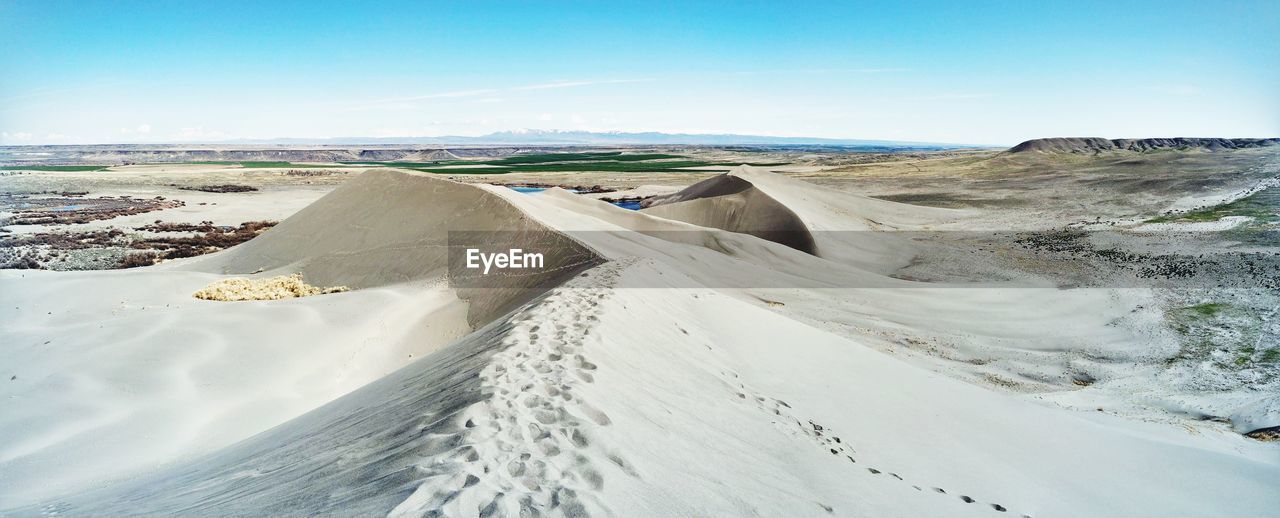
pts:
[68, 168]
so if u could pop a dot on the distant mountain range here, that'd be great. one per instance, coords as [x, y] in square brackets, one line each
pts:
[590, 138]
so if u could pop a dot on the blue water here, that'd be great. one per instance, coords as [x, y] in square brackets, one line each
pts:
[629, 205]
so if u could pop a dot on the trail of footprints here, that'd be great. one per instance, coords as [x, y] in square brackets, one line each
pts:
[825, 438]
[519, 451]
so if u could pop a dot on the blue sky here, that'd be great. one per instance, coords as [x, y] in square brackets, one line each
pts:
[986, 73]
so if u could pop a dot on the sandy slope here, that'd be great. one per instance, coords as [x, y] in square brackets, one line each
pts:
[634, 389]
[137, 373]
[566, 409]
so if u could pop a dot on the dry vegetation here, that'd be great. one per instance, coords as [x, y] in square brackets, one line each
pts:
[223, 188]
[72, 210]
[272, 288]
[36, 251]
[210, 239]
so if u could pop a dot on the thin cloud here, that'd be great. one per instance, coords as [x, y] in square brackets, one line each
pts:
[571, 84]
[882, 70]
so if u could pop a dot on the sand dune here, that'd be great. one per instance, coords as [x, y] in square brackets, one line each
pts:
[696, 368]
[731, 203]
[141, 373]
[834, 225]
[392, 226]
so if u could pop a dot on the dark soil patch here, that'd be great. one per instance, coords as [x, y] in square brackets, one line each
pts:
[221, 188]
[1265, 434]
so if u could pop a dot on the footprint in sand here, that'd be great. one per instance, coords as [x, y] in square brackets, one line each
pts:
[532, 416]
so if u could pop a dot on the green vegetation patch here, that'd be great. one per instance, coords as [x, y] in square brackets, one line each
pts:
[1207, 309]
[1224, 337]
[1193, 320]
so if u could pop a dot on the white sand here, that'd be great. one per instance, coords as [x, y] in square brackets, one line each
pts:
[138, 373]
[629, 391]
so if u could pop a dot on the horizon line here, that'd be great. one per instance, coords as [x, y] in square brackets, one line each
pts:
[532, 132]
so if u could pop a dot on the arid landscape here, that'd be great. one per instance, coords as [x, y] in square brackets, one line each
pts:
[1069, 327]
[546, 259]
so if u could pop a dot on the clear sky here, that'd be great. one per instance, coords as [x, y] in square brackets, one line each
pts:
[962, 72]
